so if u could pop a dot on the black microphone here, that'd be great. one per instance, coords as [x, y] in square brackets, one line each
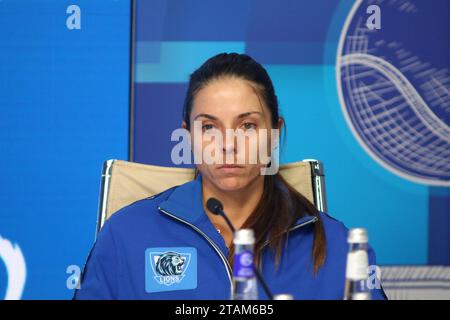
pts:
[216, 207]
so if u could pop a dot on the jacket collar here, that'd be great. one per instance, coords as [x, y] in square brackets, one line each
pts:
[186, 203]
[303, 221]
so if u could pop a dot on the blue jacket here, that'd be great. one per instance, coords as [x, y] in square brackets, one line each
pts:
[165, 247]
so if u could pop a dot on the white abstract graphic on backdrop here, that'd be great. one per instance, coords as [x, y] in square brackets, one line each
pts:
[16, 271]
[394, 86]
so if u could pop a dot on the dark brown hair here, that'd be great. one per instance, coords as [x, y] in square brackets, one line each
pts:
[280, 205]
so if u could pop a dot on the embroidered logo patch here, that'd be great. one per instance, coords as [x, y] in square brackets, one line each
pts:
[170, 268]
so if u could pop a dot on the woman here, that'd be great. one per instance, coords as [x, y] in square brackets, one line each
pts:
[170, 246]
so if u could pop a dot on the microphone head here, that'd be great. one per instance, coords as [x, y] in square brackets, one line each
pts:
[214, 205]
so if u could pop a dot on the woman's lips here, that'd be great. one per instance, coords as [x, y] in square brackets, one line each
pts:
[229, 168]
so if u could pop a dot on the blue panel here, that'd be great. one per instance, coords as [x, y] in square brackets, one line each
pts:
[286, 52]
[439, 226]
[177, 60]
[151, 14]
[290, 20]
[172, 20]
[64, 109]
[158, 112]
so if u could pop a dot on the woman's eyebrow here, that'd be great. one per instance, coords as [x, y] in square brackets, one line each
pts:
[206, 116]
[245, 114]
[240, 116]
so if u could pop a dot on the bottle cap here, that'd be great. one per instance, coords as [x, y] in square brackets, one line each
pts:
[283, 296]
[361, 296]
[244, 236]
[357, 235]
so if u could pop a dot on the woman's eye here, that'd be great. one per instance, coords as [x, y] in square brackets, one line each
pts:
[206, 127]
[249, 125]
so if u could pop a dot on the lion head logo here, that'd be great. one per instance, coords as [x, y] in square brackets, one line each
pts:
[170, 263]
[169, 266]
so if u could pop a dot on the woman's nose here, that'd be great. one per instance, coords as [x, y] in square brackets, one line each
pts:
[229, 144]
[229, 147]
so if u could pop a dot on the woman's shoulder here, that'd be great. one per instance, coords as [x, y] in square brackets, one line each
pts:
[336, 232]
[140, 211]
[334, 228]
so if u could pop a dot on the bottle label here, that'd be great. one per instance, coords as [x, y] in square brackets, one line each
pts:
[357, 263]
[243, 264]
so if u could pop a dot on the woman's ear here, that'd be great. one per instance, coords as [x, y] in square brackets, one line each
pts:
[184, 126]
[280, 123]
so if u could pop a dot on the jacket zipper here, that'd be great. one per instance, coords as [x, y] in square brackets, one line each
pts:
[293, 228]
[224, 259]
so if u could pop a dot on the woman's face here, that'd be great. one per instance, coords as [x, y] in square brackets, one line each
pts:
[229, 103]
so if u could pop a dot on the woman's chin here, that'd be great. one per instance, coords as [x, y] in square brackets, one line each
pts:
[231, 183]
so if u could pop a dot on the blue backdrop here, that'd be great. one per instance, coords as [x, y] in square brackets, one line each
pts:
[64, 108]
[298, 42]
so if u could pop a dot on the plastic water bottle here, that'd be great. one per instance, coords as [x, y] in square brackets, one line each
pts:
[357, 266]
[244, 279]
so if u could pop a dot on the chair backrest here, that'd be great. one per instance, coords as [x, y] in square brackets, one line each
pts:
[125, 182]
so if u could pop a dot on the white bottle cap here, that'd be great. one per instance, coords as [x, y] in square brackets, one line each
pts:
[283, 296]
[244, 237]
[361, 296]
[357, 235]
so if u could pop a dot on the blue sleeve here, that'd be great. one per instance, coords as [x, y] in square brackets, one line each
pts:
[99, 277]
[374, 281]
